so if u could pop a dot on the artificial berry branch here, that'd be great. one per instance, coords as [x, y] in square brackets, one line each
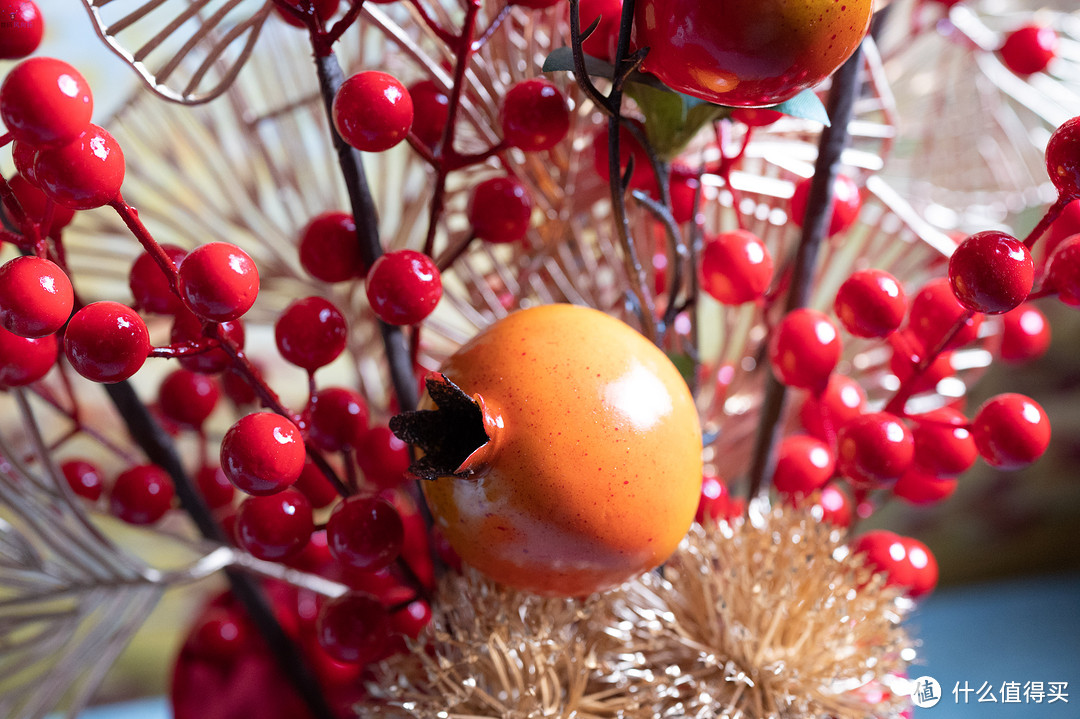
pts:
[834, 138]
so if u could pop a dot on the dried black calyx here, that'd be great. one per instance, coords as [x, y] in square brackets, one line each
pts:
[447, 435]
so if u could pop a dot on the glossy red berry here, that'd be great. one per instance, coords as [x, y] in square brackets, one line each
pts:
[500, 210]
[315, 486]
[237, 388]
[84, 478]
[45, 101]
[372, 111]
[835, 506]
[736, 267]
[683, 185]
[535, 115]
[218, 281]
[991, 272]
[871, 303]
[1065, 226]
[924, 568]
[339, 419]
[1011, 431]
[263, 453]
[215, 487]
[24, 360]
[220, 634]
[943, 444]
[187, 328]
[822, 414]
[431, 111]
[1025, 334]
[310, 333]
[803, 464]
[35, 296]
[601, 43]
[629, 148]
[411, 619]
[149, 285]
[330, 250]
[873, 449]
[716, 501]
[188, 398]
[276, 526]
[23, 155]
[353, 628]
[846, 204]
[141, 495]
[935, 310]
[886, 552]
[365, 533]
[1063, 158]
[922, 488]
[85, 173]
[403, 287]
[756, 116]
[907, 355]
[383, 458]
[22, 29]
[324, 9]
[804, 349]
[34, 204]
[1063, 275]
[106, 342]
[1029, 49]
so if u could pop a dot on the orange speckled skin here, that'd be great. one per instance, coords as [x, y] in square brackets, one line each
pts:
[594, 474]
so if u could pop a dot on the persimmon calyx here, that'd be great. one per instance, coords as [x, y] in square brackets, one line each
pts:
[454, 439]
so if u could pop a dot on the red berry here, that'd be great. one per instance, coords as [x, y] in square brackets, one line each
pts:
[315, 486]
[736, 267]
[365, 533]
[1063, 158]
[263, 453]
[21, 31]
[310, 333]
[804, 349]
[339, 419]
[943, 444]
[934, 312]
[835, 506]
[907, 355]
[683, 185]
[324, 9]
[84, 478]
[149, 285]
[431, 111]
[218, 281]
[1025, 334]
[187, 397]
[330, 250]
[34, 203]
[715, 503]
[372, 111]
[383, 458]
[1011, 431]
[803, 465]
[23, 155]
[922, 488]
[35, 296]
[873, 449]
[846, 203]
[141, 495]
[756, 116]
[535, 115]
[1065, 226]
[403, 287]
[629, 147]
[275, 527]
[237, 388]
[1063, 276]
[220, 634]
[187, 328]
[822, 414]
[85, 173]
[215, 487]
[601, 44]
[353, 628]
[500, 210]
[871, 303]
[991, 272]
[886, 552]
[45, 101]
[1029, 49]
[24, 360]
[924, 568]
[106, 342]
[411, 619]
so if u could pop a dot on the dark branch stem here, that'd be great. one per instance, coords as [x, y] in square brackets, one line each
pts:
[834, 139]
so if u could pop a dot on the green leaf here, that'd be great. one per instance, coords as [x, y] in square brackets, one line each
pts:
[671, 118]
[685, 364]
[806, 106]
